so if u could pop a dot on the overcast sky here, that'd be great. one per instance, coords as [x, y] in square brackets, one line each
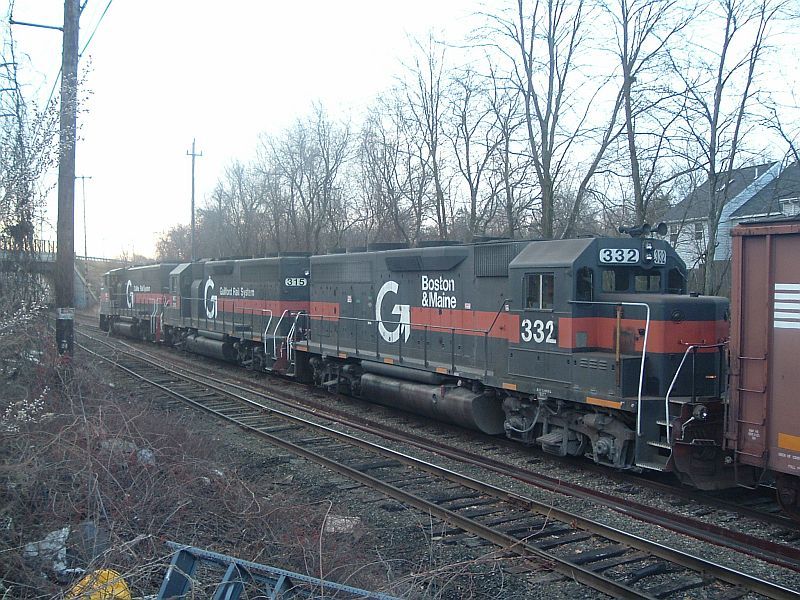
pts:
[158, 73]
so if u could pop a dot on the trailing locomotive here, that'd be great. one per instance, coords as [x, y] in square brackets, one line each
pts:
[583, 347]
[243, 311]
[132, 300]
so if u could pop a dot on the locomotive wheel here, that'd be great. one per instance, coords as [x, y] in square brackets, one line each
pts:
[788, 488]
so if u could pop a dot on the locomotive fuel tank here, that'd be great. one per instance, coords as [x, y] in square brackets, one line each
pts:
[130, 330]
[219, 349]
[451, 404]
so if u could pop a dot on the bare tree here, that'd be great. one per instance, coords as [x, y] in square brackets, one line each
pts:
[305, 167]
[719, 88]
[474, 142]
[335, 151]
[175, 244]
[509, 173]
[237, 195]
[383, 214]
[425, 94]
[27, 152]
[787, 129]
[643, 29]
[541, 45]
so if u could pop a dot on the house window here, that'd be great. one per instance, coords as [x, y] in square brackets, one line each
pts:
[699, 231]
[539, 291]
[674, 231]
[790, 206]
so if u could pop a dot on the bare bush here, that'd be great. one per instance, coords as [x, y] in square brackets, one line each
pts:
[89, 456]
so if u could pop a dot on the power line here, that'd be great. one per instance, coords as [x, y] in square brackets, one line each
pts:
[100, 20]
[80, 54]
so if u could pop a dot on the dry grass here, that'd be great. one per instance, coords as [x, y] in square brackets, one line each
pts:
[74, 449]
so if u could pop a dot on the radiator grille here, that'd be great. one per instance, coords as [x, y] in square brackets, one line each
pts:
[343, 272]
[593, 363]
[491, 260]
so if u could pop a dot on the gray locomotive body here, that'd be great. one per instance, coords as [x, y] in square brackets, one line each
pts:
[586, 346]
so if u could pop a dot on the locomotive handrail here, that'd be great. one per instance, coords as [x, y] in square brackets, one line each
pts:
[644, 350]
[424, 326]
[506, 302]
[693, 348]
[243, 310]
[290, 336]
[325, 317]
[153, 318]
[275, 334]
[266, 330]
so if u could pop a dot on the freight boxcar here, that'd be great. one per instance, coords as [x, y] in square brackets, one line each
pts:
[586, 346]
[132, 300]
[764, 418]
[243, 311]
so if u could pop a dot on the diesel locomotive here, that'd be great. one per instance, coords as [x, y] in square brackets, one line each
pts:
[584, 347]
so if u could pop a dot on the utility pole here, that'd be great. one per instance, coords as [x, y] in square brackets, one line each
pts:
[83, 179]
[194, 155]
[65, 255]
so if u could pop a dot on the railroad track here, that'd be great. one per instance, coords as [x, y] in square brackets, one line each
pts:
[603, 558]
[763, 546]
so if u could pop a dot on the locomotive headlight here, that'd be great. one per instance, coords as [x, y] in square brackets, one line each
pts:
[648, 246]
[700, 412]
[648, 257]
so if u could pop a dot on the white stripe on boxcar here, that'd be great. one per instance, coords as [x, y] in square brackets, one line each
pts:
[788, 316]
[787, 287]
[787, 306]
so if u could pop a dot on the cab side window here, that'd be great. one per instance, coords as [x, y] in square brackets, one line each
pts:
[676, 284]
[584, 287]
[539, 291]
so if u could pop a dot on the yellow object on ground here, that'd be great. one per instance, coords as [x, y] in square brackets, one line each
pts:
[100, 585]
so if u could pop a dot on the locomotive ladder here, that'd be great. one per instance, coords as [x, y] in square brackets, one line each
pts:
[759, 392]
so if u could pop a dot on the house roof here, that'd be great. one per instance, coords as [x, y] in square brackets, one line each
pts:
[695, 205]
[767, 199]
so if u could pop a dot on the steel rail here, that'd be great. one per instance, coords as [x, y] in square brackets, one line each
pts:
[764, 549]
[503, 540]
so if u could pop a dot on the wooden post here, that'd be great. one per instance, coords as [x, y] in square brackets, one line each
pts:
[65, 254]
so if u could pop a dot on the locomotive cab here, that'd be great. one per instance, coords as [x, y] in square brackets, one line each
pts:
[615, 360]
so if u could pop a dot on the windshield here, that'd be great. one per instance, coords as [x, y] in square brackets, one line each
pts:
[627, 279]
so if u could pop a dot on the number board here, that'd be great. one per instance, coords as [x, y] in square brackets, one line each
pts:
[539, 331]
[619, 255]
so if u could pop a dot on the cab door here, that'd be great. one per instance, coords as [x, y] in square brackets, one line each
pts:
[535, 355]
[538, 325]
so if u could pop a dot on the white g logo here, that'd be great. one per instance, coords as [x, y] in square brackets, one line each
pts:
[210, 301]
[129, 293]
[403, 310]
